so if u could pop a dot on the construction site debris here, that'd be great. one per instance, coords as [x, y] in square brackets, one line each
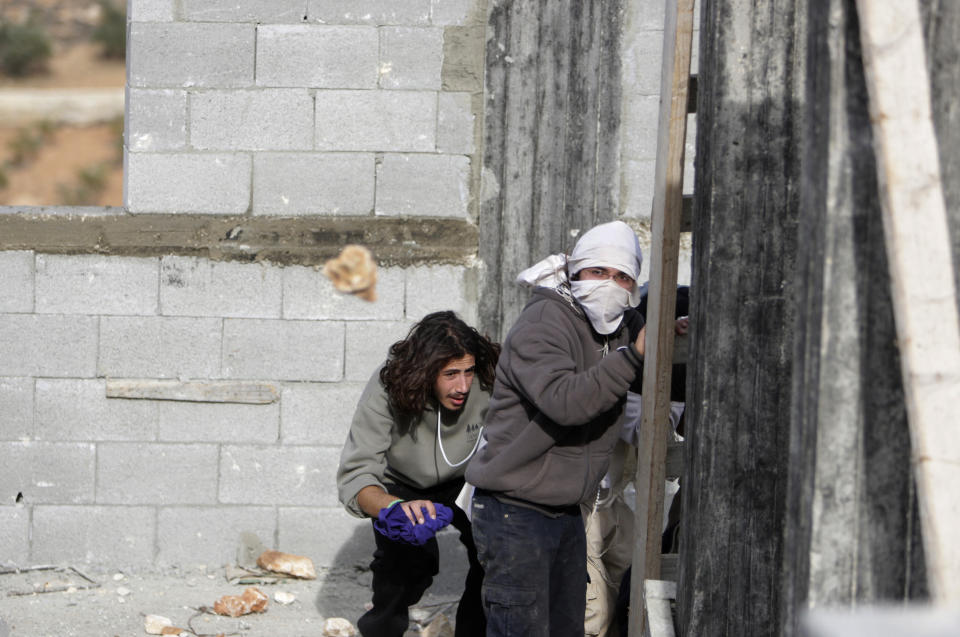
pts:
[338, 627]
[295, 565]
[69, 585]
[154, 624]
[439, 627]
[253, 600]
[283, 597]
[354, 272]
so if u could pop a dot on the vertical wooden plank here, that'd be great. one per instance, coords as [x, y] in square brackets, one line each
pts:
[747, 186]
[661, 304]
[922, 271]
[850, 521]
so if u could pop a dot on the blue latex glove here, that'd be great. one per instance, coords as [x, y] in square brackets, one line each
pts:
[393, 523]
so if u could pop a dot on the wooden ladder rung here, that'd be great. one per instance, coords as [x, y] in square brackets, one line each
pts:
[686, 214]
[670, 566]
[692, 94]
[674, 468]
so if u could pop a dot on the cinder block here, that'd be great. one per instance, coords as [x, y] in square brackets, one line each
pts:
[278, 475]
[193, 536]
[368, 343]
[410, 12]
[317, 56]
[636, 196]
[119, 536]
[175, 54]
[648, 15]
[48, 345]
[94, 284]
[198, 287]
[641, 67]
[309, 294]
[47, 472]
[423, 185]
[376, 120]
[411, 57]
[283, 350]
[690, 154]
[457, 12]
[150, 10]
[313, 183]
[206, 183]
[243, 10]
[78, 409]
[156, 119]
[14, 535]
[219, 422]
[640, 127]
[442, 287]
[331, 537]
[268, 119]
[16, 408]
[16, 281]
[159, 347]
[156, 474]
[455, 124]
[318, 413]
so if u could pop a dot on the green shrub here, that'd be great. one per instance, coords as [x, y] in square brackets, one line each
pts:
[91, 182]
[28, 141]
[24, 48]
[111, 32]
[116, 130]
[4, 179]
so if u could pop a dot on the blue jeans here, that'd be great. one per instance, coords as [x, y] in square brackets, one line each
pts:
[535, 569]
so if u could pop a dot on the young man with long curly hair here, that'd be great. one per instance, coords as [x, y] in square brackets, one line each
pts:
[417, 424]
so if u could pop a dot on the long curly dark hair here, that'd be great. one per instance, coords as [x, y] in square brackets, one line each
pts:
[413, 364]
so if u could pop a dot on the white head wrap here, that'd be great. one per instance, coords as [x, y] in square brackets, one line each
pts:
[610, 245]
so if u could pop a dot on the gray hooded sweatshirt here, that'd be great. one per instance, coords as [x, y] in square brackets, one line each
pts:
[560, 388]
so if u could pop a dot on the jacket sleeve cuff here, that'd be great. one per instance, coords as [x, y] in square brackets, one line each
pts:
[631, 353]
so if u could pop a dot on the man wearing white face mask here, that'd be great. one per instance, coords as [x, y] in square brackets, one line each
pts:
[560, 388]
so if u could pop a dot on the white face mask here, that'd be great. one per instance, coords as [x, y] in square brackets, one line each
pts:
[603, 301]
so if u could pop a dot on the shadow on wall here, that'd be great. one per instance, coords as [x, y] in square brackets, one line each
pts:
[347, 587]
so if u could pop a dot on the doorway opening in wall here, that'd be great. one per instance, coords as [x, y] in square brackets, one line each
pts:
[62, 76]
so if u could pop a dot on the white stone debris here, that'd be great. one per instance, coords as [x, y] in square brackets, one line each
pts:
[338, 627]
[154, 624]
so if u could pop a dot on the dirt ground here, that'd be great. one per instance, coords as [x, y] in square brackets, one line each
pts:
[53, 175]
[118, 602]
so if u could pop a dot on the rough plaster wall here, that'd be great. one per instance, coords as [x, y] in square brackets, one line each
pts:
[315, 122]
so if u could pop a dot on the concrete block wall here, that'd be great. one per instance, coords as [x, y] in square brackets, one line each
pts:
[292, 108]
[89, 479]
[300, 107]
